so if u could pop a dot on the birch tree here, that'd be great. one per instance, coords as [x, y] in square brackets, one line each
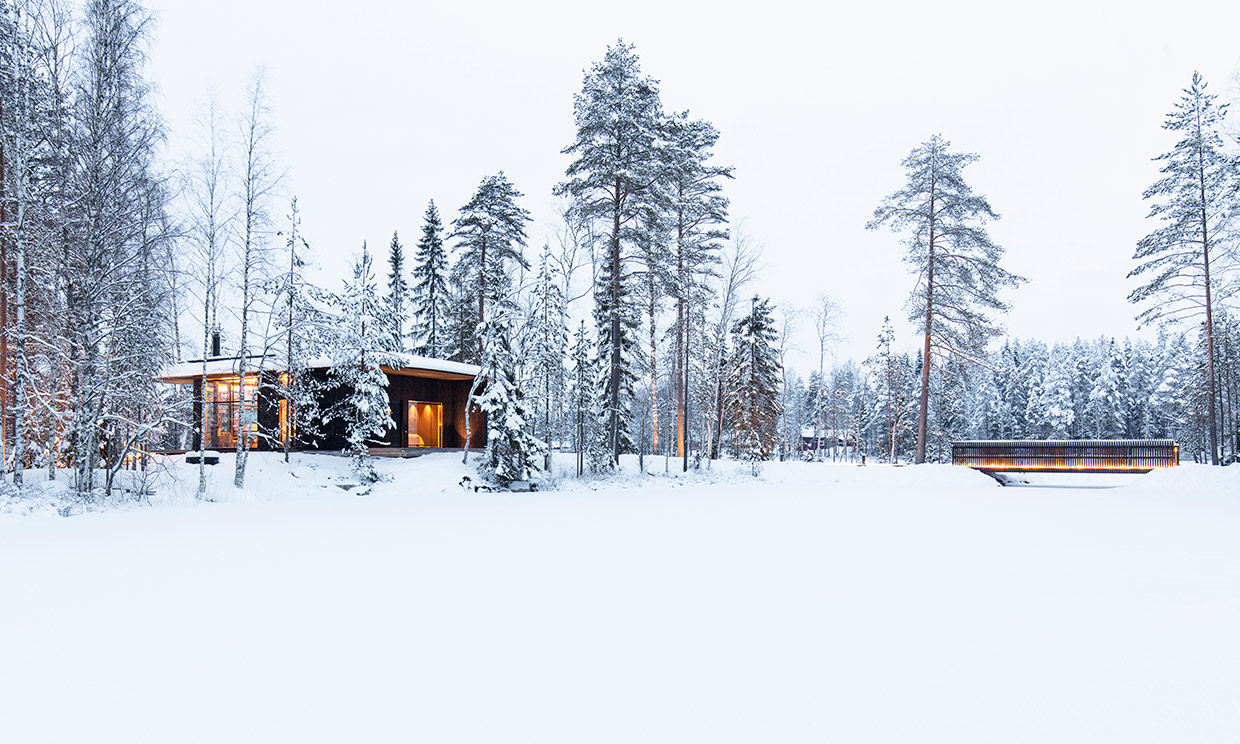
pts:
[208, 224]
[112, 242]
[258, 180]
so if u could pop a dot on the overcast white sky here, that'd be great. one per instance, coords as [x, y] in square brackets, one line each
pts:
[382, 107]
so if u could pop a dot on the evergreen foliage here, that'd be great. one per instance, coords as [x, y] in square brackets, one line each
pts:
[950, 251]
[398, 292]
[361, 346]
[546, 343]
[698, 212]
[1197, 200]
[490, 234]
[431, 297]
[753, 385]
[301, 327]
[617, 183]
[512, 451]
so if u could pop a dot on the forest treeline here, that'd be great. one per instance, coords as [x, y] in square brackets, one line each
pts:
[633, 330]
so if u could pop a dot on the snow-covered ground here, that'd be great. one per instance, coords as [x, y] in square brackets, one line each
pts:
[819, 603]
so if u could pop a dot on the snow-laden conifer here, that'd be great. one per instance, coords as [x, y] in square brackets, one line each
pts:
[361, 346]
[1057, 396]
[512, 451]
[489, 233]
[1197, 200]
[301, 327]
[398, 292]
[699, 211]
[581, 396]
[753, 385]
[546, 342]
[617, 184]
[953, 256]
[430, 296]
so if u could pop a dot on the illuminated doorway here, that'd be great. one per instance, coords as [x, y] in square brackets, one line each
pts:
[425, 424]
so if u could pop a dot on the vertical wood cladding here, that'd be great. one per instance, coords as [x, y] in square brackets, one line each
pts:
[402, 388]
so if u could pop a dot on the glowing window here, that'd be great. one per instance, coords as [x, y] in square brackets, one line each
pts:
[425, 424]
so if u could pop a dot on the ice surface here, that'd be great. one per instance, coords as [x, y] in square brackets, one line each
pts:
[821, 603]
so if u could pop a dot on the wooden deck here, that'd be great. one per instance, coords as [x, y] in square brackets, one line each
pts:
[415, 451]
[1067, 456]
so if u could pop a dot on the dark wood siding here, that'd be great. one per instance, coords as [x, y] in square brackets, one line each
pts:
[452, 394]
[1065, 456]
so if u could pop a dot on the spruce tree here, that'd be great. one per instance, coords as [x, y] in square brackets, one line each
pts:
[546, 344]
[301, 328]
[512, 451]
[753, 384]
[431, 298]
[581, 394]
[950, 251]
[1196, 202]
[398, 292]
[362, 345]
[1057, 396]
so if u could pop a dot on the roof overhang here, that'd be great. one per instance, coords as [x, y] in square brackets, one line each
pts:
[186, 373]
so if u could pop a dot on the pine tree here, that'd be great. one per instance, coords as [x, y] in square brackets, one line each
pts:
[1196, 201]
[956, 262]
[698, 212]
[753, 385]
[361, 347]
[431, 297]
[490, 233]
[398, 291]
[617, 182]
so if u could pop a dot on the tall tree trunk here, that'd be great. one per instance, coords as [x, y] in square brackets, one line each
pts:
[654, 373]
[242, 443]
[20, 407]
[1205, 260]
[613, 377]
[925, 358]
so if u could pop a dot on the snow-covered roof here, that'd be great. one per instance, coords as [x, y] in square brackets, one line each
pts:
[411, 364]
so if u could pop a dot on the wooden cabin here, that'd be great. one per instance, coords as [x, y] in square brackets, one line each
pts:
[427, 399]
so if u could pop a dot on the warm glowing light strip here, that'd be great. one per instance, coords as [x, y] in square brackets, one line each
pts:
[1127, 455]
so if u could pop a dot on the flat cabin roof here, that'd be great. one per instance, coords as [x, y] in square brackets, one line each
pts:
[412, 366]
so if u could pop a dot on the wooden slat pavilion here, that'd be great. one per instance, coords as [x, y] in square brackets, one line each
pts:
[1067, 456]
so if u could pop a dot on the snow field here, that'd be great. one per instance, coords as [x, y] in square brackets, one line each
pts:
[821, 603]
